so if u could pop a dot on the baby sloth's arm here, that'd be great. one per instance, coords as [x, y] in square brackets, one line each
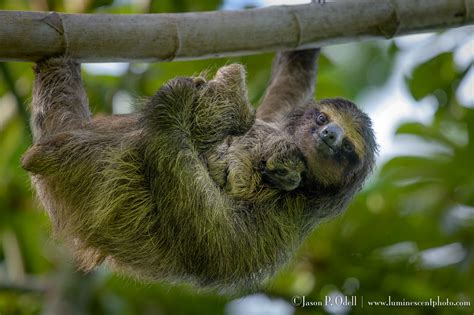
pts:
[217, 163]
[233, 166]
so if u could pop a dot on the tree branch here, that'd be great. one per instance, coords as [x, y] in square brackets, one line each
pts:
[30, 36]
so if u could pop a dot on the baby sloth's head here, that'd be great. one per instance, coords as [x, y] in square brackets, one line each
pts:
[284, 168]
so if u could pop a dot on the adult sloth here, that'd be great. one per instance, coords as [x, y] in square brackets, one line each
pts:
[135, 189]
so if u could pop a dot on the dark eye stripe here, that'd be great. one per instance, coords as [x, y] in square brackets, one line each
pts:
[322, 119]
[348, 146]
[281, 171]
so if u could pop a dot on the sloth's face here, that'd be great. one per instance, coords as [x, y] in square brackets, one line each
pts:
[283, 170]
[329, 139]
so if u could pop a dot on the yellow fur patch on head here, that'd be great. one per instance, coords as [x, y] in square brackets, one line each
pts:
[324, 170]
[346, 122]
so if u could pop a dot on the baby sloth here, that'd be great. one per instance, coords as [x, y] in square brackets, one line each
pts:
[258, 165]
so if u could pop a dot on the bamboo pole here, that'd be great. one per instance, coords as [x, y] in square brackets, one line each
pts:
[30, 36]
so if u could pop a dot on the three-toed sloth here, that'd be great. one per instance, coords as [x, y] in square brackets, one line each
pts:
[195, 186]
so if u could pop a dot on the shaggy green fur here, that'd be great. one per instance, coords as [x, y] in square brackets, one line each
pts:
[135, 190]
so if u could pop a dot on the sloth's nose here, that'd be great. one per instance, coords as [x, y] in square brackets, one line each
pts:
[332, 134]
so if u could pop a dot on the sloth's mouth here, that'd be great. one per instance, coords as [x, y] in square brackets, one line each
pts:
[321, 145]
[327, 145]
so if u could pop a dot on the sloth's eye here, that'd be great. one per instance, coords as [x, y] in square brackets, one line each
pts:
[281, 172]
[322, 119]
[348, 147]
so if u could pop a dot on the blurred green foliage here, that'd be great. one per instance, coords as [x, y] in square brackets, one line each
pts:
[409, 235]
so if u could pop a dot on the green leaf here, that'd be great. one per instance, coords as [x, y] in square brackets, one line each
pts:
[405, 168]
[426, 132]
[436, 74]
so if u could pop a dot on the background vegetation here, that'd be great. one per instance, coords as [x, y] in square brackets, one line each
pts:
[409, 235]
